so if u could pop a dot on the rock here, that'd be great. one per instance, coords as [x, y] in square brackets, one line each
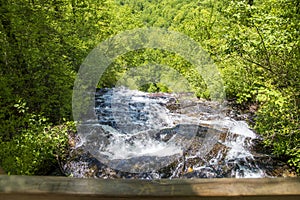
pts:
[211, 144]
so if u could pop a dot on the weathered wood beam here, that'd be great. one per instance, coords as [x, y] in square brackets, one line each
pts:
[57, 188]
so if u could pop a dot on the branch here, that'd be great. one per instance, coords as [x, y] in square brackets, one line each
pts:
[256, 63]
[264, 45]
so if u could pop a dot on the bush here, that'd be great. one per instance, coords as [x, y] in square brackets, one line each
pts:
[278, 121]
[36, 150]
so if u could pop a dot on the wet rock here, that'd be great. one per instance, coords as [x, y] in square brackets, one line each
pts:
[210, 140]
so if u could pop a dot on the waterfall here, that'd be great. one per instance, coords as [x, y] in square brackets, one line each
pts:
[161, 135]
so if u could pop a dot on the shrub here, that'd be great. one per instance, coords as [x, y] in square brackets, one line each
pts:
[278, 121]
[36, 150]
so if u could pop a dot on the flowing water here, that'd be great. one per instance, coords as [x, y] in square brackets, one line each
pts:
[143, 135]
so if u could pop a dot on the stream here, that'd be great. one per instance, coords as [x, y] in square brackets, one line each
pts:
[158, 135]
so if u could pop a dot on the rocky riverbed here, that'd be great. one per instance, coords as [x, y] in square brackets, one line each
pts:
[152, 136]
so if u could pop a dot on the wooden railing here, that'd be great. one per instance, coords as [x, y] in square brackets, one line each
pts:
[63, 188]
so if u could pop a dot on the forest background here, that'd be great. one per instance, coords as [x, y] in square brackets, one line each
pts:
[254, 44]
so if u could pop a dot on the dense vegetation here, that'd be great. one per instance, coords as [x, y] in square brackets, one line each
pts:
[254, 43]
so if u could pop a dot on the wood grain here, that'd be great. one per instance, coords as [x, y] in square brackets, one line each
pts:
[56, 188]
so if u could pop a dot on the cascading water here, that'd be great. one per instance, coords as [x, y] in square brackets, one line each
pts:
[143, 135]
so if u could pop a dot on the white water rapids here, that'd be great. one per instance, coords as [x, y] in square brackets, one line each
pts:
[142, 132]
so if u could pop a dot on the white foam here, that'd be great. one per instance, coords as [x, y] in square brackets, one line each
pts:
[242, 128]
[120, 149]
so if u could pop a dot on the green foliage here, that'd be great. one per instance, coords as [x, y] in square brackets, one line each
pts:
[154, 87]
[33, 70]
[17, 118]
[257, 36]
[278, 121]
[37, 149]
[262, 65]
[148, 62]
